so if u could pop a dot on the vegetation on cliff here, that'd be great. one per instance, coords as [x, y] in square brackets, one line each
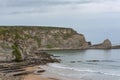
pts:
[38, 37]
[16, 52]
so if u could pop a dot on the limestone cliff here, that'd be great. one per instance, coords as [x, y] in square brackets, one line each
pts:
[43, 38]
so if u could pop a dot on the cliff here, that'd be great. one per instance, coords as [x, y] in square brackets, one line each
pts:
[32, 38]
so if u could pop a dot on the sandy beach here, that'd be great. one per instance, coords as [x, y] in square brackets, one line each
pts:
[33, 76]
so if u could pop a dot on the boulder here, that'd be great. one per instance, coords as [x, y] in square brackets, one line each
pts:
[39, 71]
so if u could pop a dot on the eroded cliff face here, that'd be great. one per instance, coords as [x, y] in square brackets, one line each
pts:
[42, 38]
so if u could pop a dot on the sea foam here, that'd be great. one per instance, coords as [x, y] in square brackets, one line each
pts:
[65, 67]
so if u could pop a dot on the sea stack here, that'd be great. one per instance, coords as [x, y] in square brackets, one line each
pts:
[106, 44]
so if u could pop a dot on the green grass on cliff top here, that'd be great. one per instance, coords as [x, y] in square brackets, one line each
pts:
[31, 27]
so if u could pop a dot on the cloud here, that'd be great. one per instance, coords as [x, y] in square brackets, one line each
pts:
[101, 7]
[59, 7]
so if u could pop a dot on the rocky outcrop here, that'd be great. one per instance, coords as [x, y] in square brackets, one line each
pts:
[6, 57]
[116, 47]
[105, 45]
[32, 38]
[15, 70]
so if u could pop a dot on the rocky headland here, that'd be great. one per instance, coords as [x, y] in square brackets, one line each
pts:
[42, 38]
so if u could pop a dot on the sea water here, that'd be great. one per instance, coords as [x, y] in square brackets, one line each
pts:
[86, 65]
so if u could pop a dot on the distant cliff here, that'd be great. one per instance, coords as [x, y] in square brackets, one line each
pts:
[43, 38]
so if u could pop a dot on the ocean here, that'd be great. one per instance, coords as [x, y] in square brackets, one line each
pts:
[85, 65]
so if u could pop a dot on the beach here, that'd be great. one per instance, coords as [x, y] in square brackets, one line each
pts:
[36, 77]
[33, 76]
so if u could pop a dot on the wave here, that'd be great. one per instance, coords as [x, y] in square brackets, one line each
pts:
[69, 68]
[61, 66]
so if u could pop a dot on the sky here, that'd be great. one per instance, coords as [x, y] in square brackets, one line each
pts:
[96, 19]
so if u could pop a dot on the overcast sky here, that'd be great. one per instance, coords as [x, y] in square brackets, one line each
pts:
[86, 16]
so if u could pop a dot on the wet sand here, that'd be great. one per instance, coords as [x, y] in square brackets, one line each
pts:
[33, 76]
[36, 77]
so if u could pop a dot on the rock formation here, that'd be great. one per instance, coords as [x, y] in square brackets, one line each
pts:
[10, 70]
[105, 45]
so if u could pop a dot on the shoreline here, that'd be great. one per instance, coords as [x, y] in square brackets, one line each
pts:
[26, 70]
[34, 76]
[90, 48]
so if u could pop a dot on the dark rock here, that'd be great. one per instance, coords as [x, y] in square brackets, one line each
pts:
[19, 73]
[116, 47]
[89, 43]
[56, 56]
[93, 60]
[79, 61]
[38, 71]
[72, 61]
[44, 56]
